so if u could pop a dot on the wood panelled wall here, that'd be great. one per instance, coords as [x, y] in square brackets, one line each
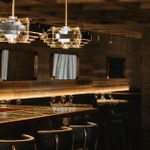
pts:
[92, 65]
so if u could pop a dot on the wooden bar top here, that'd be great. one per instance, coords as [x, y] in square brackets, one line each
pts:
[18, 113]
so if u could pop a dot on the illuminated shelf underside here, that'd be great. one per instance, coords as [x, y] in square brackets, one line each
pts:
[27, 94]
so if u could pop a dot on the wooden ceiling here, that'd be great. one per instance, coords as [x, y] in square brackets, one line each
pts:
[120, 17]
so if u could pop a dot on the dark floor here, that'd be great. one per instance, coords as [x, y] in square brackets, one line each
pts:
[144, 140]
[116, 139]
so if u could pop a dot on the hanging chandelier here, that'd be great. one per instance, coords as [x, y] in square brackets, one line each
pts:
[64, 37]
[14, 30]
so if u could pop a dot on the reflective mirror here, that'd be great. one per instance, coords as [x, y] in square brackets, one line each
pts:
[18, 65]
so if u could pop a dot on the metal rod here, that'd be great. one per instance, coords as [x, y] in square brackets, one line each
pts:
[66, 12]
[13, 8]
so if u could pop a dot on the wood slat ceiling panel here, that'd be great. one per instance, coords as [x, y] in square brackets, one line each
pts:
[93, 15]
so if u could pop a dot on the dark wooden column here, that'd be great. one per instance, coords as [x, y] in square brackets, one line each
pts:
[145, 107]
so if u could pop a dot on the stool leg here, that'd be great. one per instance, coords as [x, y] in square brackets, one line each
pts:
[13, 147]
[73, 142]
[85, 139]
[57, 141]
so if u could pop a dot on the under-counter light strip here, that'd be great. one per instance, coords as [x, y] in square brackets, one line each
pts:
[27, 94]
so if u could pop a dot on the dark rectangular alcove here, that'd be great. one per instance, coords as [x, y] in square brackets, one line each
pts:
[115, 67]
[22, 65]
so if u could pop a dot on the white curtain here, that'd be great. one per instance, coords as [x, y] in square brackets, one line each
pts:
[4, 64]
[64, 66]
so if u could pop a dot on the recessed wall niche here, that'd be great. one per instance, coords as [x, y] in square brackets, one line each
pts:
[115, 67]
[64, 66]
[18, 65]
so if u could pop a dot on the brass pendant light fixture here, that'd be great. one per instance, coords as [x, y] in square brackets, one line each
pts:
[16, 30]
[64, 37]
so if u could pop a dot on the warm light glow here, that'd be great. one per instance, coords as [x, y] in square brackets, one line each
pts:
[26, 93]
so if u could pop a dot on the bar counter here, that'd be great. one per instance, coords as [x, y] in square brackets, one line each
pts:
[19, 113]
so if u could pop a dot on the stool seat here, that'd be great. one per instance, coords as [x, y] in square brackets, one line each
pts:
[26, 142]
[84, 136]
[57, 139]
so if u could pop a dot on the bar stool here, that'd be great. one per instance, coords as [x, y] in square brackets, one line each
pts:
[85, 136]
[59, 139]
[26, 142]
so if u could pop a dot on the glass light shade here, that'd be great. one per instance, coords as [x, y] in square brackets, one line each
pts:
[14, 30]
[11, 28]
[11, 37]
[64, 37]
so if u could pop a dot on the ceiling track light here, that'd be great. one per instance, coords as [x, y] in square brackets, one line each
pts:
[64, 37]
[15, 30]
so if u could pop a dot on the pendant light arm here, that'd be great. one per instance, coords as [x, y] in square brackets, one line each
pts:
[13, 8]
[66, 12]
